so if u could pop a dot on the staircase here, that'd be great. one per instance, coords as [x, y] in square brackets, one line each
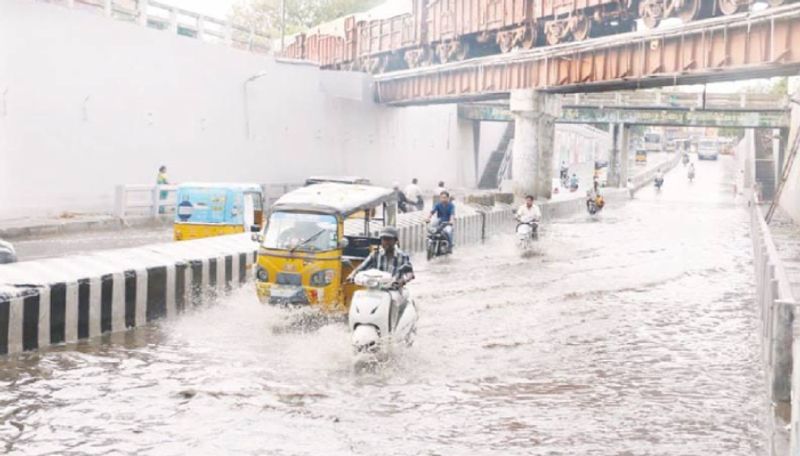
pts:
[491, 177]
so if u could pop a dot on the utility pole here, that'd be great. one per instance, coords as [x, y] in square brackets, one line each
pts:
[283, 24]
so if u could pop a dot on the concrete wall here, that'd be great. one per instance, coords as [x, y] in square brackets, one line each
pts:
[790, 197]
[87, 103]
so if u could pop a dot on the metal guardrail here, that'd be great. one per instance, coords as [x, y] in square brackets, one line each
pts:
[160, 16]
[138, 200]
[780, 334]
[132, 200]
[678, 100]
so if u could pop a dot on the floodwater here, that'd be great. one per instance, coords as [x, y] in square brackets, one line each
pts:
[630, 334]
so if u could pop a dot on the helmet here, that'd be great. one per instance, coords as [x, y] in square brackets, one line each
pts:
[389, 232]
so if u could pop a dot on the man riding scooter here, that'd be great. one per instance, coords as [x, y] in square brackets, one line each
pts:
[388, 258]
[529, 214]
[445, 211]
[659, 179]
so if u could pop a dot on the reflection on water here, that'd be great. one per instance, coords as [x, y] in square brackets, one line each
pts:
[634, 335]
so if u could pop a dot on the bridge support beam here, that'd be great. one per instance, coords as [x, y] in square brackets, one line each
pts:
[618, 155]
[534, 137]
[624, 155]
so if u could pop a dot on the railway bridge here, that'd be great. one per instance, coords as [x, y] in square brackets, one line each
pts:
[739, 46]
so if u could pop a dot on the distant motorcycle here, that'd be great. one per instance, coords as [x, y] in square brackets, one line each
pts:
[691, 175]
[593, 206]
[685, 160]
[659, 181]
[438, 245]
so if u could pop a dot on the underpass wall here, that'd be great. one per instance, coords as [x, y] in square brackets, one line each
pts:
[790, 196]
[87, 103]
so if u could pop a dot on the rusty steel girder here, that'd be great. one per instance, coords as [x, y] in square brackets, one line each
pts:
[741, 46]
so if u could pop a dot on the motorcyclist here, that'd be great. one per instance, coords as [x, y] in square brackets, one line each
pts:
[529, 212]
[564, 173]
[445, 212]
[402, 201]
[659, 179]
[631, 188]
[691, 171]
[594, 195]
[414, 194]
[388, 258]
[573, 182]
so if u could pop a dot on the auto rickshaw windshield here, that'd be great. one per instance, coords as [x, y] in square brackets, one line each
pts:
[299, 231]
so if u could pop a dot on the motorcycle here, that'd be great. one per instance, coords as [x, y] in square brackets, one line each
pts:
[527, 234]
[691, 175]
[593, 207]
[573, 186]
[381, 318]
[659, 181]
[438, 245]
[685, 160]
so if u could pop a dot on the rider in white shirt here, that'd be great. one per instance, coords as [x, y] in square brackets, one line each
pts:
[414, 194]
[529, 212]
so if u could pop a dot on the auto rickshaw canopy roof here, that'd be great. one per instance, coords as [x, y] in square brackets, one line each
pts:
[337, 179]
[333, 198]
[242, 187]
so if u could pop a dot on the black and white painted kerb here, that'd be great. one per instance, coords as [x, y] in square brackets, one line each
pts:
[56, 301]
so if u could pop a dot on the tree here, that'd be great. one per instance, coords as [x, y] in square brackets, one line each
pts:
[264, 16]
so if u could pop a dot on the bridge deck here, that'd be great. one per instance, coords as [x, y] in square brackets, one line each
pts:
[741, 46]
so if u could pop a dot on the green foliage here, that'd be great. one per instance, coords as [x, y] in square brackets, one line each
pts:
[265, 15]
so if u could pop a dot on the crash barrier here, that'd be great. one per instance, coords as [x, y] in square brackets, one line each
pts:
[780, 333]
[139, 200]
[63, 300]
[646, 177]
[136, 200]
[472, 224]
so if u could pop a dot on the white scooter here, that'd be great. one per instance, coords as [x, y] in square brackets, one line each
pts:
[527, 234]
[381, 317]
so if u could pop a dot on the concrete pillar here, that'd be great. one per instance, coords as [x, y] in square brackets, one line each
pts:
[201, 28]
[624, 154]
[142, 10]
[534, 141]
[613, 156]
[476, 150]
[173, 21]
[108, 8]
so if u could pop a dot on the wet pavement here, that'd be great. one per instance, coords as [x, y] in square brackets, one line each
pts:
[633, 333]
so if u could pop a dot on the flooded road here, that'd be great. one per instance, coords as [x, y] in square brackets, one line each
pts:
[630, 334]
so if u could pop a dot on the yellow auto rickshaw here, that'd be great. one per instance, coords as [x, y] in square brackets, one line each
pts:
[313, 239]
[205, 210]
[641, 156]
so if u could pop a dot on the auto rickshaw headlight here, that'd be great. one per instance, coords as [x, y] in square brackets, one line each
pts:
[262, 275]
[322, 278]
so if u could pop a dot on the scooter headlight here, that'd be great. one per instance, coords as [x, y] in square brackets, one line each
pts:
[262, 275]
[322, 278]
